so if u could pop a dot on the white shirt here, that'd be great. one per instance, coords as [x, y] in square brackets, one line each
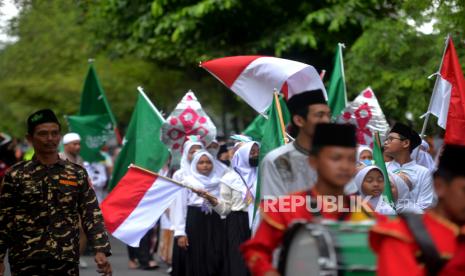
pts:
[422, 194]
[230, 200]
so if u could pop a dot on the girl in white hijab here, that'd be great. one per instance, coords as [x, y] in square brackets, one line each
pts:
[177, 212]
[238, 188]
[370, 182]
[204, 229]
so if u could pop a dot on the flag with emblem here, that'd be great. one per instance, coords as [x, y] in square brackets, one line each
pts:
[137, 203]
[187, 119]
[95, 122]
[366, 114]
[142, 145]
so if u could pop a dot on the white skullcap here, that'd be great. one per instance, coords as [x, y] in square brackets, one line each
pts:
[71, 137]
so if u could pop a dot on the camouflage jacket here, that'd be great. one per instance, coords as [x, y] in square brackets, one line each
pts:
[40, 211]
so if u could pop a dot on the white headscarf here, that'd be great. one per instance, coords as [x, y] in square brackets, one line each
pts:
[402, 187]
[362, 148]
[209, 183]
[185, 164]
[422, 157]
[243, 170]
[376, 202]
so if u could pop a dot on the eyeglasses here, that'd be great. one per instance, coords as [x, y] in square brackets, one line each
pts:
[389, 139]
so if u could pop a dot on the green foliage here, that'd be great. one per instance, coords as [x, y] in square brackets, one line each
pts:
[158, 43]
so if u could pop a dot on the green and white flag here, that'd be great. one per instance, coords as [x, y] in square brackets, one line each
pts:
[95, 122]
[337, 93]
[142, 145]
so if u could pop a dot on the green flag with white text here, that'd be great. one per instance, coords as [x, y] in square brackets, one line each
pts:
[95, 130]
[142, 145]
[95, 122]
[337, 94]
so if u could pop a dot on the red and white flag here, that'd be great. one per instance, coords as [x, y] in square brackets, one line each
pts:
[448, 99]
[254, 78]
[136, 203]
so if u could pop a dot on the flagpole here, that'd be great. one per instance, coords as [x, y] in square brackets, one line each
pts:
[169, 179]
[425, 123]
[341, 45]
[280, 115]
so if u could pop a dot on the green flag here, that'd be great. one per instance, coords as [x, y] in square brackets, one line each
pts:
[95, 130]
[93, 99]
[337, 94]
[142, 145]
[272, 137]
[257, 127]
[95, 120]
[379, 161]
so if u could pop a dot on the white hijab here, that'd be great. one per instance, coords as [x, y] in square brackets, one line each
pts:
[362, 148]
[377, 202]
[422, 157]
[209, 183]
[185, 164]
[243, 170]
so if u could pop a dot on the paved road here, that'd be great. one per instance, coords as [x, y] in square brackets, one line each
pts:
[119, 262]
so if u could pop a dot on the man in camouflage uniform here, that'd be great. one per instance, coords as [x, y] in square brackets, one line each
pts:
[41, 201]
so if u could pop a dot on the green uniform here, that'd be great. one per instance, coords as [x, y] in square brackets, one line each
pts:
[40, 211]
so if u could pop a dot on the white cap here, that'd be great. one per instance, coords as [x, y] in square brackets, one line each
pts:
[71, 137]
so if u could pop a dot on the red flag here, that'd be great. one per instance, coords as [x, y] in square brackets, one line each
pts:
[452, 73]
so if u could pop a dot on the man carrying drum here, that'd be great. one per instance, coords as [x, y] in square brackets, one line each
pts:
[432, 243]
[333, 157]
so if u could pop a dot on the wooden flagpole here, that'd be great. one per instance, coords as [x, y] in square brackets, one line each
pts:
[170, 180]
[280, 116]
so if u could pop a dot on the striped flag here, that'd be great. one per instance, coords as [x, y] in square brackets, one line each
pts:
[448, 99]
[255, 78]
[136, 204]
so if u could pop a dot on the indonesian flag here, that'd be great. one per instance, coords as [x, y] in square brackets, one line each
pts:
[448, 99]
[254, 78]
[136, 203]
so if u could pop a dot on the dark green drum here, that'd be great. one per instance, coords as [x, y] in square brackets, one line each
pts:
[329, 248]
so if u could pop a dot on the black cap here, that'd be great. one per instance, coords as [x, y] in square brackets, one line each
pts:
[41, 117]
[340, 135]
[452, 160]
[408, 133]
[304, 99]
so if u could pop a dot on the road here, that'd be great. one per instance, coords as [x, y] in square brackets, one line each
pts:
[119, 262]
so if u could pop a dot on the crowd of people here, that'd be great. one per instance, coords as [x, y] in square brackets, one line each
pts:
[214, 227]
